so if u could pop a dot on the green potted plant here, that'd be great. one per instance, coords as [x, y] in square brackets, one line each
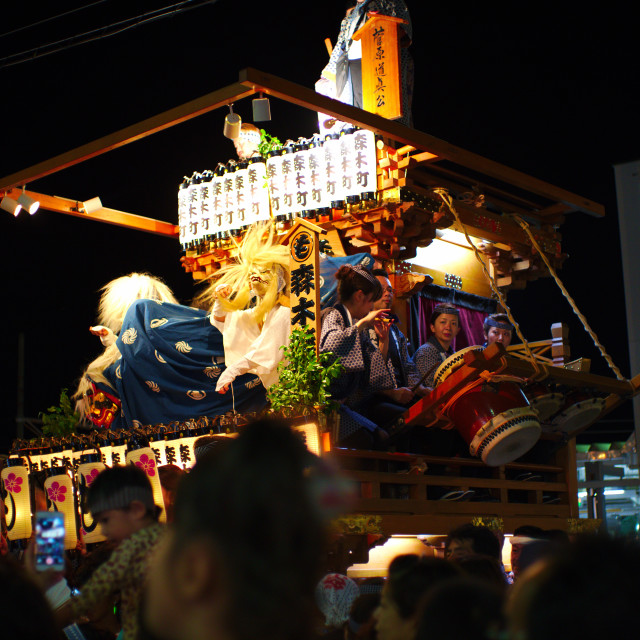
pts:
[61, 420]
[304, 378]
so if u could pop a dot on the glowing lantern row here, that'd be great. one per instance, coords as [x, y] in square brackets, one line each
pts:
[307, 176]
[17, 501]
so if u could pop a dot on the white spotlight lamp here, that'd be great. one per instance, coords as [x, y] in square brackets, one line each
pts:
[92, 205]
[28, 203]
[10, 205]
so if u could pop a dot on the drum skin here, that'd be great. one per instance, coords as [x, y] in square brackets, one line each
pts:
[452, 363]
[580, 409]
[496, 421]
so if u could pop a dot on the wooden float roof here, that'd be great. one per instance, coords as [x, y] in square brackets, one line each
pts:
[505, 190]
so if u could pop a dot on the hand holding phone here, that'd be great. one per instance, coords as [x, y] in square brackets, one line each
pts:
[49, 541]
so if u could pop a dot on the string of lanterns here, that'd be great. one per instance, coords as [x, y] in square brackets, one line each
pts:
[71, 463]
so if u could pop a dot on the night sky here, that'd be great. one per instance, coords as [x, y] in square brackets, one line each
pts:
[549, 93]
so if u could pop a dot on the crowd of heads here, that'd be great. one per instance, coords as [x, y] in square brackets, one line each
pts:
[245, 552]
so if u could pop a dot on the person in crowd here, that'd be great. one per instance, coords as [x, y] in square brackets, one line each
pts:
[170, 475]
[445, 325]
[335, 594]
[485, 568]
[587, 591]
[411, 577]
[471, 540]
[345, 333]
[462, 607]
[205, 444]
[397, 349]
[361, 623]
[497, 328]
[522, 536]
[342, 77]
[121, 501]
[101, 621]
[242, 557]
[24, 611]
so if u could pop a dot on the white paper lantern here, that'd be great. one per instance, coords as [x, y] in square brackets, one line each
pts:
[274, 179]
[318, 176]
[302, 179]
[90, 466]
[258, 190]
[144, 458]
[364, 146]
[17, 500]
[61, 497]
[333, 175]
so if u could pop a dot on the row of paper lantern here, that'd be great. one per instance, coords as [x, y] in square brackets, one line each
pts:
[313, 174]
[65, 490]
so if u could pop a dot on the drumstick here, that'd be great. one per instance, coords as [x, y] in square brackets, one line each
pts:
[327, 43]
[425, 376]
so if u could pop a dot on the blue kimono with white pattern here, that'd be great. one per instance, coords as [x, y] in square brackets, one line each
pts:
[171, 357]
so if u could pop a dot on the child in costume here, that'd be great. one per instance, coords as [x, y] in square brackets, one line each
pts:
[121, 500]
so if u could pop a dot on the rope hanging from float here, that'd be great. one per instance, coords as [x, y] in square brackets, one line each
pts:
[525, 227]
[541, 370]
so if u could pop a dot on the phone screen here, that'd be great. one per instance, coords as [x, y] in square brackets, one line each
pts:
[49, 540]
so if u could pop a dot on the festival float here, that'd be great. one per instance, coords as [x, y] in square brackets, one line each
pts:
[447, 225]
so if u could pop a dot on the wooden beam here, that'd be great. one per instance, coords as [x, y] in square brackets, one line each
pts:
[125, 136]
[308, 98]
[110, 216]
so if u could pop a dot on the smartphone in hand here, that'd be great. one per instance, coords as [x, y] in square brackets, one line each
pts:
[49, 541]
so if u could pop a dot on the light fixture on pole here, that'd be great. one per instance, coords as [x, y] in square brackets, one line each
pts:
[10, 205]
[232, 123]
[92, 205]
[261, 109]
[28, 203]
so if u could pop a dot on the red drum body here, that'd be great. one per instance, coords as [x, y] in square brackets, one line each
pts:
[496, 421]
[545, 403]
[580, 409]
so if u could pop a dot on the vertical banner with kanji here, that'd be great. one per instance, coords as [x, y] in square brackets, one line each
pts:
[380, 65]
[304, 262]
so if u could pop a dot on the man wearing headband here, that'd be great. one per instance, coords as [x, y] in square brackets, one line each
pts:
[497, 328]
[247, 142]
[445, 325]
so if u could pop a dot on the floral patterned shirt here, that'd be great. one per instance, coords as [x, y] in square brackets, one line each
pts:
[124, 573]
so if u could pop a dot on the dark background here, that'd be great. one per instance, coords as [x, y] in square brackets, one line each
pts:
[549, 93]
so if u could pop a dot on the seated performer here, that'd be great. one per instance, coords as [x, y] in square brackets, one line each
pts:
[497, 328]
[253, 336]
[445, 324]
[345, 333]
[397, 349]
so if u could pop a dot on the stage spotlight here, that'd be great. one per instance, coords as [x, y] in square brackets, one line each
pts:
[261, 109]
[232, 123]
[92, 205]
[28, 203]
[10, 205]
